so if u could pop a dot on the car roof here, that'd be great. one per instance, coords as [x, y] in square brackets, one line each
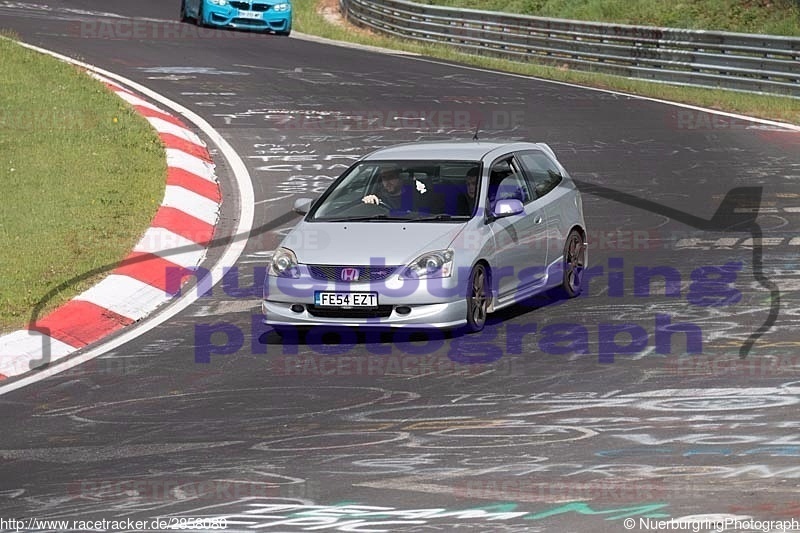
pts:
[447, 150]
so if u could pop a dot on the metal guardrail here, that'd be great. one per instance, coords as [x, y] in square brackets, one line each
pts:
[738, 61]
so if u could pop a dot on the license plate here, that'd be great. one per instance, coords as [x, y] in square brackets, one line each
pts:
[346, 299]
[250, 14]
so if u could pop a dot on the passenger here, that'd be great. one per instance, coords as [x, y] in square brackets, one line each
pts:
[466, 200]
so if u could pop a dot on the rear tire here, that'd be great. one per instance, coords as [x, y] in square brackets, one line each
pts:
[574, 264]
[477, 298]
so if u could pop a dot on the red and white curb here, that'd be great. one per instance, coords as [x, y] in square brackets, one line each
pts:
[152, 274]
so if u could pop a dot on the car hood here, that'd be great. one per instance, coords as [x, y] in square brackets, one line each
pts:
[364, 243]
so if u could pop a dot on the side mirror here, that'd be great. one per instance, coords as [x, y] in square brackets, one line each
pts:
[507, 208]
[302, 205]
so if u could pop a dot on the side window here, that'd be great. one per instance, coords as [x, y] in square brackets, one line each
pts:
[506, 181]
[541, 171]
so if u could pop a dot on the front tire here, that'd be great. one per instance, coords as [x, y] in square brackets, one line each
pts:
[184, 18]
[574, 263]
[477, 298]
[199, 20]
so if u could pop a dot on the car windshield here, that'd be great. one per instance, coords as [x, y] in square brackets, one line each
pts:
[414, 191]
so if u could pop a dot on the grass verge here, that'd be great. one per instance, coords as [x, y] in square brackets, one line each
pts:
[771, 17]
[308, 19]
[83, 174]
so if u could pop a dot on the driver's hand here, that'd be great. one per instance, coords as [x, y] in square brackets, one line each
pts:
[371, 199]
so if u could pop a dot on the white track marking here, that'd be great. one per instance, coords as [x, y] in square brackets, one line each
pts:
[191, 203]
[162, 126]
[189, 163]
[125, 296]
[172, 247]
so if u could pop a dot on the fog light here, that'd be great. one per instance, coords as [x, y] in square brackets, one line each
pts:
[297, 308]
[402, 310]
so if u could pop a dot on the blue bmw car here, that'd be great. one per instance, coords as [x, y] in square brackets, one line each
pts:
[258, 15]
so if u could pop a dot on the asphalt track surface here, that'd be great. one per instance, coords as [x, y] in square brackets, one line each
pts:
[404, 434]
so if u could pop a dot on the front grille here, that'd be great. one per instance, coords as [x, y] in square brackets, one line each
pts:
[248, 22]
[365, 273]
[248, 7]
[382, 311]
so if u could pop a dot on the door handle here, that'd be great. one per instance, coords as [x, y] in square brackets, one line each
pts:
[537, 220]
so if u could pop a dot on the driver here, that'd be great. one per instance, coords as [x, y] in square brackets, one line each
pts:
[392, 193]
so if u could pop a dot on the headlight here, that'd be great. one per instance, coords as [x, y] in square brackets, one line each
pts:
[219, 2]
[284, 264]
[437, 264]
[282, 7]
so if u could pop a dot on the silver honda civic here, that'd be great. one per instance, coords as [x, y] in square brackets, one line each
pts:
[435, 234]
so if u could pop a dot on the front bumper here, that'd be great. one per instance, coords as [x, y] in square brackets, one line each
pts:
[437, 303]
[449, 315]
[230, 17]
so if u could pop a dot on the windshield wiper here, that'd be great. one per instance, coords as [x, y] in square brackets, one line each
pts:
[442, 216]
[362, 219]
